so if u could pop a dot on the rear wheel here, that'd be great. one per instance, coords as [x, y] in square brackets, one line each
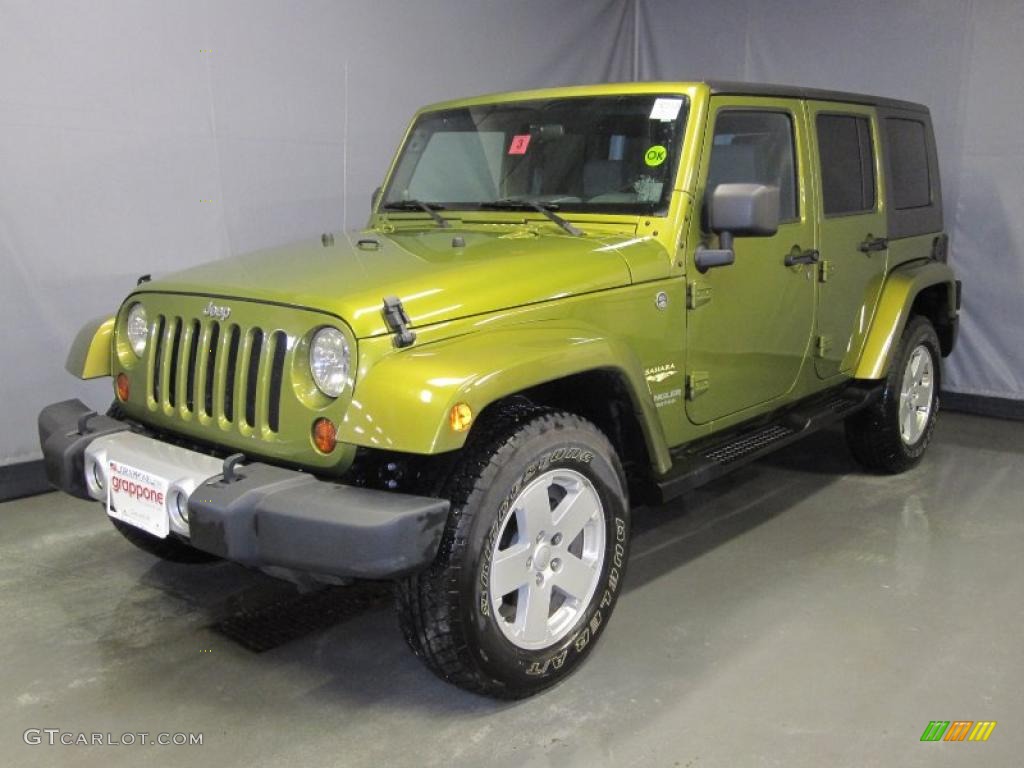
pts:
[533, 558]
[892, 434]
[173, 549]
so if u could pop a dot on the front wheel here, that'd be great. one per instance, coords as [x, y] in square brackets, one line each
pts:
[892, 434]
[533, 558]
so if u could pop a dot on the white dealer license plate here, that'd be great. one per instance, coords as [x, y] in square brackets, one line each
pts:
[138, 498]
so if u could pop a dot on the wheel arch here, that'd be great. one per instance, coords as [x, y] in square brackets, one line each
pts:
[926, 288]
[938, 304]
[408, 395]
[604, 397]
[90, 354]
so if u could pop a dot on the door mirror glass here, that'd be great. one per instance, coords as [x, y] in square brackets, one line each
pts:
[744, 210]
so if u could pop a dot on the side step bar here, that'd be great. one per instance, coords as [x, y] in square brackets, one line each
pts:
[706, 460]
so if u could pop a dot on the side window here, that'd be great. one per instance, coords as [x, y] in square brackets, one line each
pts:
[908, 163]
[847, 164]
[752, 147]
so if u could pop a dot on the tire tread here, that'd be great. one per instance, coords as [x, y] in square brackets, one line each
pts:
[427, 602]
[873, 435]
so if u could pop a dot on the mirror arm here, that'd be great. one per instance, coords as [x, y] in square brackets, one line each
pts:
[709, 258]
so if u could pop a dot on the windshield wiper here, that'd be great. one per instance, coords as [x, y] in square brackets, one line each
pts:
[548, 209]
[414, 205]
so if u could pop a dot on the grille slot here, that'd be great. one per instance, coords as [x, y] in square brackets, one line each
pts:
[280, 341]
[204, 368]
[175, 352]
[229, 384]
[211, 366]
[193, 361]
[158, 358]
[252, 380]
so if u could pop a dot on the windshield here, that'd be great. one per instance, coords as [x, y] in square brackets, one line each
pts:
[603, 154]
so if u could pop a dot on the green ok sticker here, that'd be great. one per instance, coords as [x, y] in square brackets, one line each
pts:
[655, 155]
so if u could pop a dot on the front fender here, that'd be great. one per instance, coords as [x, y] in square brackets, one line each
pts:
[901, 287]
[403, 398]
[89, 356]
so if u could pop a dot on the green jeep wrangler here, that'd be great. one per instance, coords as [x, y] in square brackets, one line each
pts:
[566, 302]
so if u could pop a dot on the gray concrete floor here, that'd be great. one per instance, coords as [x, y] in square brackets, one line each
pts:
[798, 613]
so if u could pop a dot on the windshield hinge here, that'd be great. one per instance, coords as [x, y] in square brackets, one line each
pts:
[397, 320]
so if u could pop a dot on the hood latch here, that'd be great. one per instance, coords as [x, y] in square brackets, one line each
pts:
[397, 320]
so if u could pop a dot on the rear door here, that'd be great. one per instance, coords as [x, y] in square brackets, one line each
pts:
[851, 231]
[749, 323]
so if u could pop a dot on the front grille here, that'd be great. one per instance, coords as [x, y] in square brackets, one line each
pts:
[209, 369]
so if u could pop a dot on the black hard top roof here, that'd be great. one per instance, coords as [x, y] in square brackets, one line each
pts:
[735, 88]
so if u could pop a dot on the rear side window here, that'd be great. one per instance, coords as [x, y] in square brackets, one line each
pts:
[908, 163]
[752, 147]
[847, 164]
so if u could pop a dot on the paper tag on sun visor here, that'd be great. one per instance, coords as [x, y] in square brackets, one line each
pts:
[519, 144]
[666, 109]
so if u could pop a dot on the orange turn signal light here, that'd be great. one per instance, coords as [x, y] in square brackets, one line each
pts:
[325, 435]
[122, 387]
[461, 417]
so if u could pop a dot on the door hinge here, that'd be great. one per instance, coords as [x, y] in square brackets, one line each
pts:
[697, 293]
[825, 270]
[823, 345]
[697, 382]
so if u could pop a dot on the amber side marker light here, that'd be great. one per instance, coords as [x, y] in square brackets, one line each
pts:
[325, 435]
[461, 417]
[122, 387]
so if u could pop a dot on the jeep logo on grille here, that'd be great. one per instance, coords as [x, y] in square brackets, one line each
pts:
[217, 312]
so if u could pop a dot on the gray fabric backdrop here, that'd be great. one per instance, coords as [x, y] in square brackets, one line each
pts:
[963, 58]
[142, 136]
[120, 119]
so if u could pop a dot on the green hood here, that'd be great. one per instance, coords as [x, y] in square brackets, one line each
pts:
[435, 281]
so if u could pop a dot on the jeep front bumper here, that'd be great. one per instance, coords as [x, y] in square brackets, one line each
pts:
[261, 515]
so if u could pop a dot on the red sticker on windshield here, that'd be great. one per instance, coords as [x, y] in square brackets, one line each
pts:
[519, 144]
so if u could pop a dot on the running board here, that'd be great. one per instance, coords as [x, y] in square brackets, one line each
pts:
[706, 460]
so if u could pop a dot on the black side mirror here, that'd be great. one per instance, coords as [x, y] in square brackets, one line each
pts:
[746, 210]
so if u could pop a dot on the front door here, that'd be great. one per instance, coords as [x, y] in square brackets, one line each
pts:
[851, 232]
[749, 323]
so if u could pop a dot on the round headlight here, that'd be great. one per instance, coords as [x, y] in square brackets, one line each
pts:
[138, 329]
[329, 358]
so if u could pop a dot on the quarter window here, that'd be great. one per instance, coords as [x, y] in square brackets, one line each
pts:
[752, 147]
[847, 164]
[908, 163]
